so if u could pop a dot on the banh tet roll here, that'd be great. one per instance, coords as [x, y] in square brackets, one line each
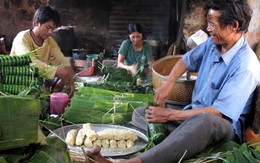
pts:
[88, 143]
[121, 144]
[80, 137]
[117, 134]
[108, 138]
[129, 143]
[105, 143]
[113, 143]
[97, 142]
[71, 137]
[90, 133]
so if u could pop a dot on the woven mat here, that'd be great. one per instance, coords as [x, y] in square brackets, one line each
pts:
[77, 157]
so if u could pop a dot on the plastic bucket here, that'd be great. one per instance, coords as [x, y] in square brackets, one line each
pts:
[58, 102]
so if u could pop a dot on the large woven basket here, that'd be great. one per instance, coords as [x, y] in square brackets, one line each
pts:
[182, 89]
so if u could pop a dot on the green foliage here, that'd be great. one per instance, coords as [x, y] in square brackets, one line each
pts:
[121, 80]
[16, 74]
[19, 121]
[227, 152]
[54, 152]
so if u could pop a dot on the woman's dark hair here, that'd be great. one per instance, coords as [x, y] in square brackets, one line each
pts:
[135, 27]
[231, 11]
[46, 13]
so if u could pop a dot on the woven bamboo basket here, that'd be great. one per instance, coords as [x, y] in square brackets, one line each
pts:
[181, 92]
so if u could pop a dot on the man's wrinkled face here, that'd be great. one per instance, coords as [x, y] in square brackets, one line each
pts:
[219, 34]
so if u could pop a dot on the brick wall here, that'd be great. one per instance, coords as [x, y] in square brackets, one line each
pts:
[90, 19]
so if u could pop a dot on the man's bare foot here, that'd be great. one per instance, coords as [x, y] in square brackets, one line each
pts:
[95, 156]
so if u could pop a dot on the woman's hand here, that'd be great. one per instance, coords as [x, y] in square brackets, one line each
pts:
[133, 69]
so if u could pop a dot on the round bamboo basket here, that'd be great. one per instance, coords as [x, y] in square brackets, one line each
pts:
[181, 92]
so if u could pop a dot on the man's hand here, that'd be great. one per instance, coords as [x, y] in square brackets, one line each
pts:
[65, 74]
[162, 115]
[157, 114]
[71, 87]
[66, 81]
[162, 93]
[94, 155]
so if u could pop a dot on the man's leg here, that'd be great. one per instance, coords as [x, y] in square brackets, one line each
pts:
[193, 136]
[138, 118]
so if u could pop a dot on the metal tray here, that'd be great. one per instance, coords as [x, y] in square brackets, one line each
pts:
[140, 143]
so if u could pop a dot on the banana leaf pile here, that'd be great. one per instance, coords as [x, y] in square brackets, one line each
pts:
[121, 80]
[95, 105]
[21, 138]
[54, 151]
[228, 152]
[16, 74]
[18, 121]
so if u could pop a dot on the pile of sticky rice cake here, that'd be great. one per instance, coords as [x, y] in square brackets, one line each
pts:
[108, 138]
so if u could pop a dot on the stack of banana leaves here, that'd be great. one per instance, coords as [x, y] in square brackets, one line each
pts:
[95, 105]
[228, 152]
[16, 74]
[121, 80]
[21, 138]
